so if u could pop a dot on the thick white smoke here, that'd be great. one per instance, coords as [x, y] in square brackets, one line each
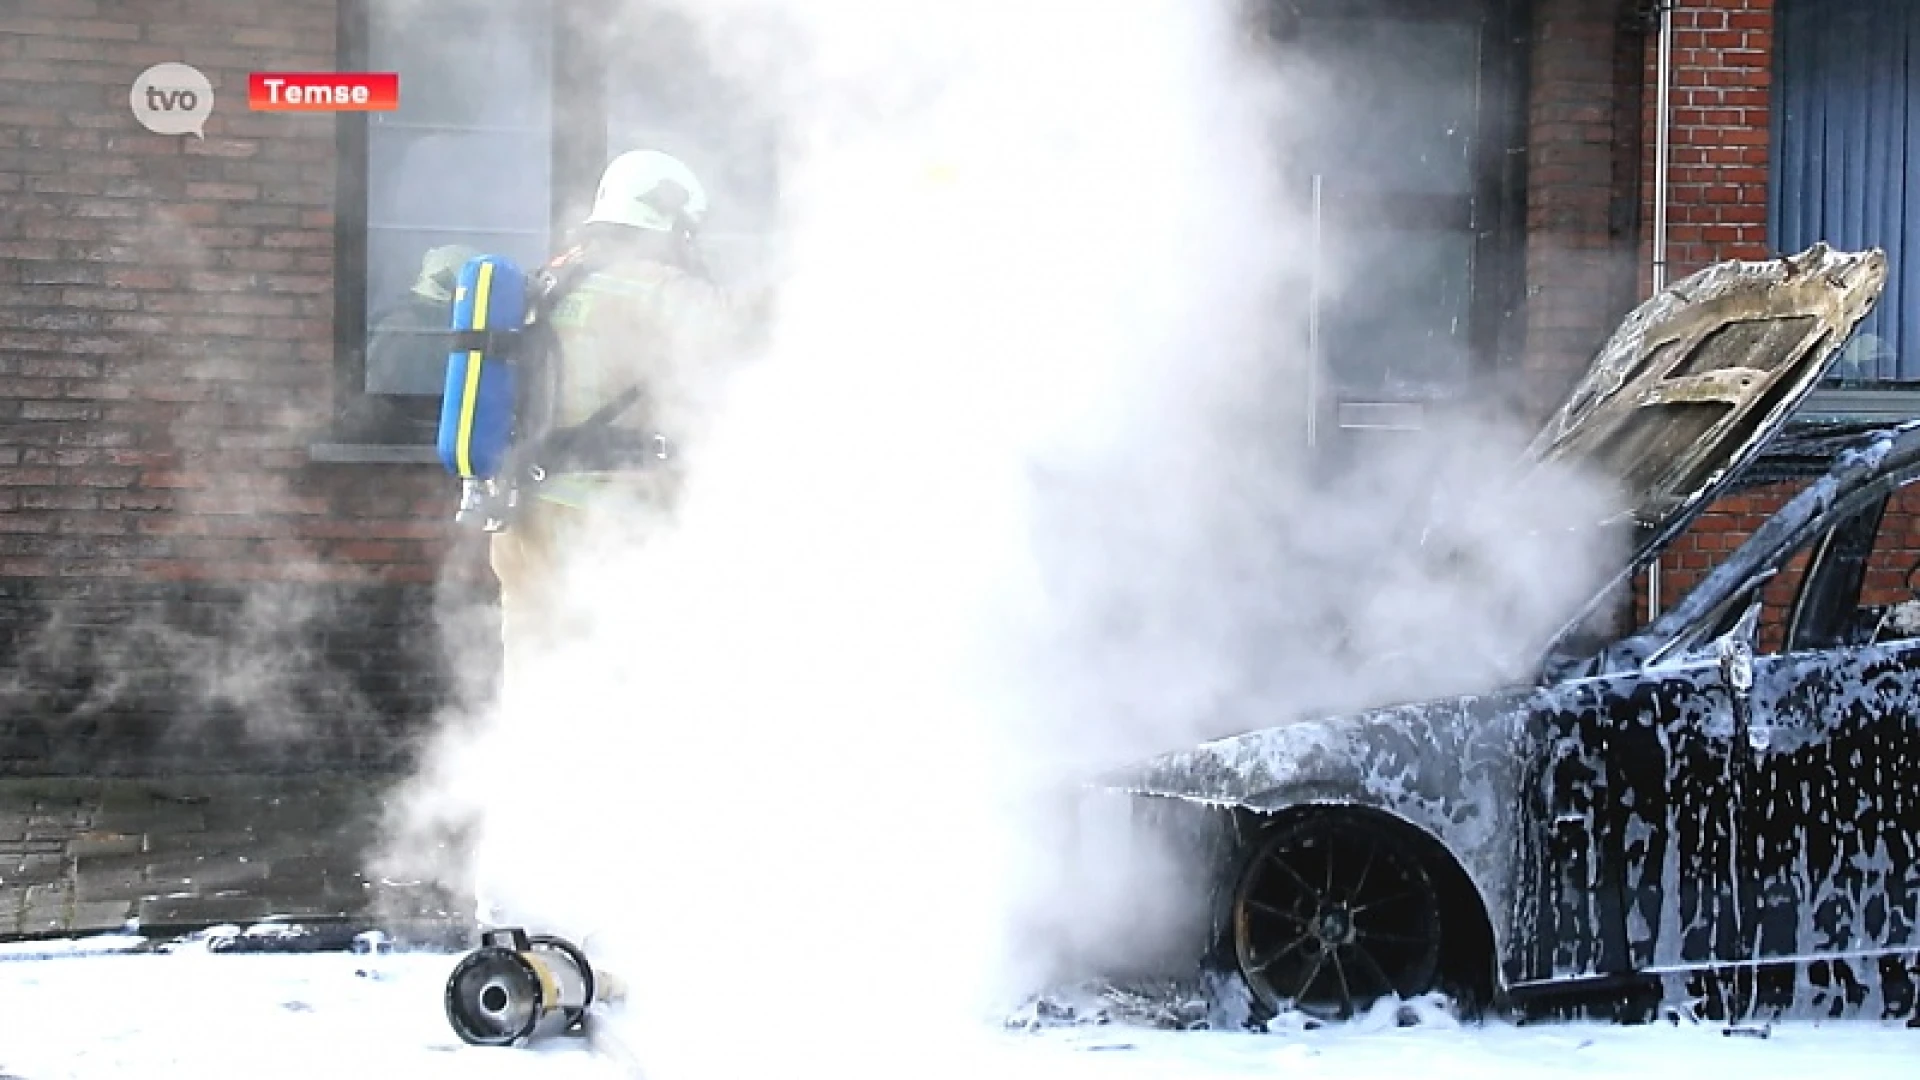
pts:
[1014, 491]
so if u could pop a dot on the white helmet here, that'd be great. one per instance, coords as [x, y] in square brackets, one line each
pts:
[647, 189]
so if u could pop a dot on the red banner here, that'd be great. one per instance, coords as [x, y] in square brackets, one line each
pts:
[323, 91]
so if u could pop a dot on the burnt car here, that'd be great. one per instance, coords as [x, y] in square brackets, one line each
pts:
[1691, 809]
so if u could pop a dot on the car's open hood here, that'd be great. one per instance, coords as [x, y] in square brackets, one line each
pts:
[1683, 396]
[1696, 380]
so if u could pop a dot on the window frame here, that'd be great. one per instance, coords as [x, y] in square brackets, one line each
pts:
[1497, 341]
[1497, 288]
[576, 152]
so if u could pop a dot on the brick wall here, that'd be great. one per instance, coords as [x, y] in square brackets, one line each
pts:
[1583, 136]
[166, 350]
[1717, 194]
[1721, 125]
[117, 676]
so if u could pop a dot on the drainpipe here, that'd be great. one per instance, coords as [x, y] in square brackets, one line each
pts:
[1662, 125]
[1662, 136]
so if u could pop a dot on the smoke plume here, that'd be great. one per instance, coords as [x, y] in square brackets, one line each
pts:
[1014, 490]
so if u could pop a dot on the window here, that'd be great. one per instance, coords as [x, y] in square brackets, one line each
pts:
[508, 111]
[1846, 121]
[463, 164]
[1407, 174]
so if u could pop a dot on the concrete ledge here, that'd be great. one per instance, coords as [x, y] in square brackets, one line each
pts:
[335, 453]
[1891, 403]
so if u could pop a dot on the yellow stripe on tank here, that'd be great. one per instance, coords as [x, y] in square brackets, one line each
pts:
[470, 394]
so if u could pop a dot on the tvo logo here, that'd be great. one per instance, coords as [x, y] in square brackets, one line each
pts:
[172, 99]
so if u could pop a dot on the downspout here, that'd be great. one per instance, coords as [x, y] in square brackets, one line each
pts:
[1662, 135]
[1662, 124]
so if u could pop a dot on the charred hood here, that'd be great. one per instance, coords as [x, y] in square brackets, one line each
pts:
[1697, 380]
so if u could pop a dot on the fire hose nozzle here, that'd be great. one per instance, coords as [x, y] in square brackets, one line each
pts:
[515, 988]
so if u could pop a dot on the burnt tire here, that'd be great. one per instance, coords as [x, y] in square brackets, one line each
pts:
[1331, 913]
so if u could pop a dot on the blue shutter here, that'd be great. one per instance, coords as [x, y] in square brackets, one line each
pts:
[1846, 123]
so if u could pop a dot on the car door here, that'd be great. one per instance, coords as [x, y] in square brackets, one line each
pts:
[1790, 827]
[1668, 823]
[1833, 794]
[1832, 791]
[1733, 806]
[1682, 396]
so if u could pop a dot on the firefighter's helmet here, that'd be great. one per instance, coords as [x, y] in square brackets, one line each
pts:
[646, 189]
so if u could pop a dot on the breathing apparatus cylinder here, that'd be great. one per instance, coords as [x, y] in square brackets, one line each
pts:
[479, 400]
[515, 988]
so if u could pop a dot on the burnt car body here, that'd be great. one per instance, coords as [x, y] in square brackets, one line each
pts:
[1673, 812]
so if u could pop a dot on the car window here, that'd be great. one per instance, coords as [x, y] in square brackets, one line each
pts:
[1862, 589]
[1718, 533]
[1855, 582]
[1886, 606]
[1777, 592]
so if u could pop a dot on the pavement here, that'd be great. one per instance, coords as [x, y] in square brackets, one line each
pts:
[87, 855]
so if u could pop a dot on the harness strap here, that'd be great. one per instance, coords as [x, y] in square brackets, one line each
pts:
[594, 445]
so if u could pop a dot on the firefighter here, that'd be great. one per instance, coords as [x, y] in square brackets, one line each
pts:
[639, 311]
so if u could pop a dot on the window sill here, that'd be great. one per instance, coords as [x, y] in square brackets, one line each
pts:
[1891, 405]
[361, 453]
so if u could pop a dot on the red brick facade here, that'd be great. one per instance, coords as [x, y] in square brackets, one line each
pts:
[1582, 149]
[1722, 69]
[1720, 126]
[167, 333]
[166, 359]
